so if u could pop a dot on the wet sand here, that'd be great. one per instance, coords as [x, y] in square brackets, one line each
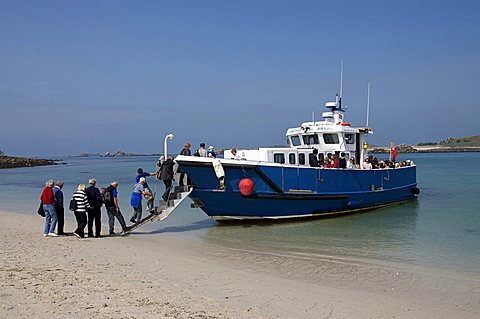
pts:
[152, 276]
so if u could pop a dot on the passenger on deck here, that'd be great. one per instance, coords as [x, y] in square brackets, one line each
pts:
[201, 152]
[367, 164]
[351, 163]
[312, 158]
[335, 163]
[235, 154]
[342, 161]
[185, 152]
[211, 152]
[136, 200]
[326, 163]
[166, 175]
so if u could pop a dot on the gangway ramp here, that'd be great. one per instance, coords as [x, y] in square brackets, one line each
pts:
[165, 208]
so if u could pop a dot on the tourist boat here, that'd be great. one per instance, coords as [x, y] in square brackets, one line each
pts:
[279, 183]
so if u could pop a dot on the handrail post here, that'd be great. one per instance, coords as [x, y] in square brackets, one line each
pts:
[168, 137]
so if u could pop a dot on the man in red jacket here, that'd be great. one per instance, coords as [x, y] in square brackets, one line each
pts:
[48, 201]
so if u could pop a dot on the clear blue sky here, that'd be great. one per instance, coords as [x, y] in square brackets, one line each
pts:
[97, 76]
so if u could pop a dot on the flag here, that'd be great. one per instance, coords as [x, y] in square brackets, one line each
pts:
[393, 151]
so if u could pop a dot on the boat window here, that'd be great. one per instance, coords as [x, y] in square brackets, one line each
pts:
[279, 158]
[301, 158]
[291, 158]
[321, 158]
[295, 140]
[349, 138]
[310, 139]
[330, 138]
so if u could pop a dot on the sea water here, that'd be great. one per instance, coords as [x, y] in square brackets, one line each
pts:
[441, 228]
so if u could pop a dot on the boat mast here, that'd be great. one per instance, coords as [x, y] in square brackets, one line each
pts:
[341, 86]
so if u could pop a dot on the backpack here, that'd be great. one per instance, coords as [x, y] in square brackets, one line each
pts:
[106, 194]
[73, 205]
[196, 153]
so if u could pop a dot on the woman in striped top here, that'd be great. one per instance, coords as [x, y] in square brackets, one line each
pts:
[81, 212]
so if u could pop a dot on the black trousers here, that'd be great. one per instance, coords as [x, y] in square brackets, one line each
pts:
[168, 188]
[94, 215]
[81, 223]
[60, 219]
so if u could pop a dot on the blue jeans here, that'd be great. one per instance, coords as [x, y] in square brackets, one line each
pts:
[50, 218]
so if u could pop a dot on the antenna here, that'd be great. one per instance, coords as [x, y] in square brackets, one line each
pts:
[368, 103]
[341, 79]
[341, 85]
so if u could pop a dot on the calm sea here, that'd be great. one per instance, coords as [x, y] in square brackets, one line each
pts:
[441, 228]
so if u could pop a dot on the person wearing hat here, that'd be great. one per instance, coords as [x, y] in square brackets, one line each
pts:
[211, 152]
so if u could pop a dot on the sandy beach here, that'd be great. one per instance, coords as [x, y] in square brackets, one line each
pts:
[161, 276]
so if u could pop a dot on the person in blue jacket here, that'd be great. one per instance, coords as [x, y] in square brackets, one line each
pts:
[136, 200]
[148, 191]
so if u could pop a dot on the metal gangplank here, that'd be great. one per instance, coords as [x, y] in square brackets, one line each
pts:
[165, 208]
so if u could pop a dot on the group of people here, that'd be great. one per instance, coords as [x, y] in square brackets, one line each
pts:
[374, 163]
[370, 162]
[331, 161]
[200, 152]
[86, 204]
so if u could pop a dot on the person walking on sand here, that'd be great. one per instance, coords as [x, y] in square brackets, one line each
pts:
[58, 195]
[81, 199]
[48, 202]
[95, 211]
[166, 175]
[113, 210]
[136, 200]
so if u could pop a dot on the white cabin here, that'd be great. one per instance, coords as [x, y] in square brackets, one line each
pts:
[329, 136]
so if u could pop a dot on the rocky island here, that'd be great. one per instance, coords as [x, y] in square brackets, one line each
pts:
[14, 162]
[449, 145]
[124, 154]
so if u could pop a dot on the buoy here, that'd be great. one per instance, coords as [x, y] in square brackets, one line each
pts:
[246, 186]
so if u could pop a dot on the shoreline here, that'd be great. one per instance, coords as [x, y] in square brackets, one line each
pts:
[148, 276]
[425, 149]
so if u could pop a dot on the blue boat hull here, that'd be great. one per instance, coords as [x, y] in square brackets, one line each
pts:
[294, 192]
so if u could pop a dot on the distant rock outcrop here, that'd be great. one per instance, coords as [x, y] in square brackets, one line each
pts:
[118, 154]
[13, 162]
[88, 155]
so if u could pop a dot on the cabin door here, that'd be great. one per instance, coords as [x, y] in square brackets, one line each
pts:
[290, 178]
